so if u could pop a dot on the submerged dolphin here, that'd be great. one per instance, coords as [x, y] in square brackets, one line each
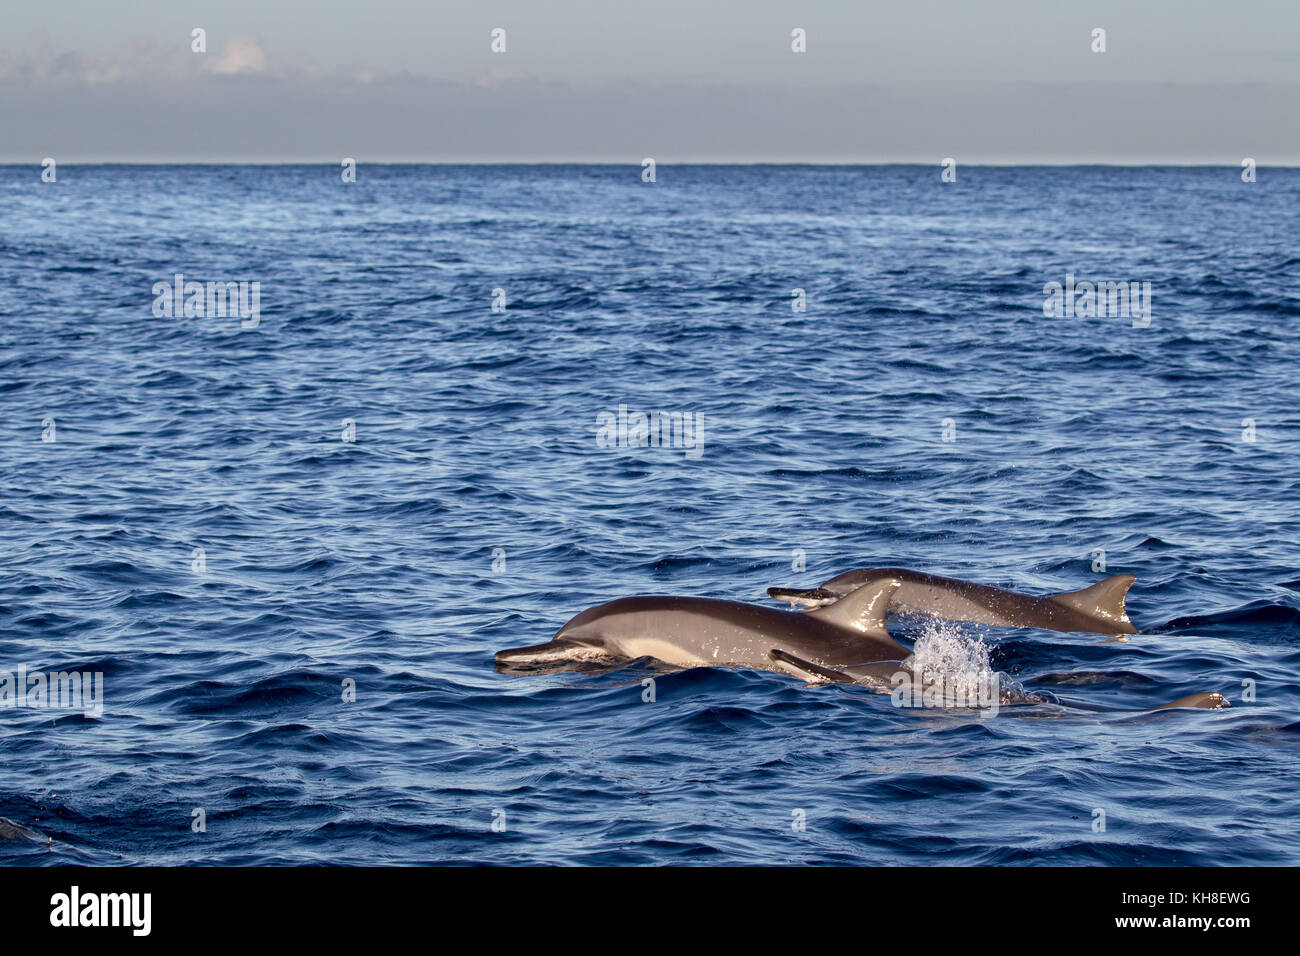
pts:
[691, 632]
[10, 830]
[878, 674]
[1098, 609]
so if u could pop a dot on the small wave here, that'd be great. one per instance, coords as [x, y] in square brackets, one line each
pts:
[1260, 613]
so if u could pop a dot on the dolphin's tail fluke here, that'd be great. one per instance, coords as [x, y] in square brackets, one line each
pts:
[1104, 600]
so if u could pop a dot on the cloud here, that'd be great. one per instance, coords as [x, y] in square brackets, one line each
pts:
[159, 102]
[241, 54]
[37, 66]
[139, 61]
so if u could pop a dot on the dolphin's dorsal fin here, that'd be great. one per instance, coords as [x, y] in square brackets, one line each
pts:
[862, 610]
[1104, 600]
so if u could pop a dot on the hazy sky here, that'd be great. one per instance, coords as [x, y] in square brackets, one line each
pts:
[1181, 81]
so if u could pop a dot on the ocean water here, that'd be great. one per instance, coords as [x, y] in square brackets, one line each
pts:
[470, 505]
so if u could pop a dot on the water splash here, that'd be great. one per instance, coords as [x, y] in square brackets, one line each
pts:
[949, 658]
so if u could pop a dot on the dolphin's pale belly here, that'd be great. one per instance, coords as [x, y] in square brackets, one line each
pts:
[694, 644]
[667, 651]
[688, 639]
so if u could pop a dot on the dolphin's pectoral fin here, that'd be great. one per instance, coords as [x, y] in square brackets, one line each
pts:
[878, 673]
[1210, 701]
[807, 597]
[807, 670]
[862, 610]
[1104, 600]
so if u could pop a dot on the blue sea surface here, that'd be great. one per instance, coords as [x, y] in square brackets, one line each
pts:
[476, 510]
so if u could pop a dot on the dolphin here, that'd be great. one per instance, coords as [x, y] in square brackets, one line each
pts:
[883, 675]
[844, 641]
[693, 632]
[1098, 609]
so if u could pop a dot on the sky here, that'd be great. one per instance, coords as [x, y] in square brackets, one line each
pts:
[996, 81]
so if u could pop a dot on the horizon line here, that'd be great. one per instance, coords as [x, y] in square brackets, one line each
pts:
[1234, 164]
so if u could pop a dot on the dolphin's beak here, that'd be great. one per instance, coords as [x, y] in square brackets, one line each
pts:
[557, 649]
[807, 597]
